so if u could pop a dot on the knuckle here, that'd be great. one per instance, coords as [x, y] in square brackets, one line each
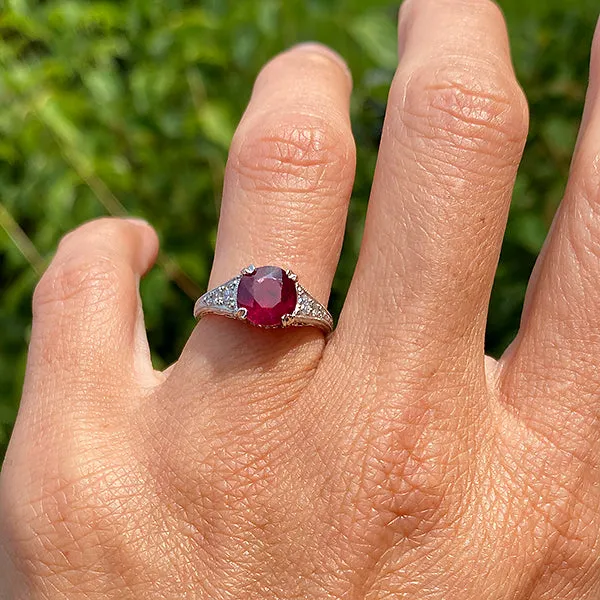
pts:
[467, 106]
[402, 480]
[298, 153]
[87, 269]
[78, 279]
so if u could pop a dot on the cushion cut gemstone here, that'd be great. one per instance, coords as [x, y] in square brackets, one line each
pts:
[267, 295]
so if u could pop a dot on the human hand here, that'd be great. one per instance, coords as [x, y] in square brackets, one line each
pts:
[391, 460]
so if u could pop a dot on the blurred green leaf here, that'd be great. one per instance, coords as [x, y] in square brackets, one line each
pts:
[217, 122]
[528, 230]
[376, 35]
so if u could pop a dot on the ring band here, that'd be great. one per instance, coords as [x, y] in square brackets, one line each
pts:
[266, 297]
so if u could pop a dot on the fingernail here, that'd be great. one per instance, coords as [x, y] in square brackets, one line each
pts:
[138, 221]
[319, 48]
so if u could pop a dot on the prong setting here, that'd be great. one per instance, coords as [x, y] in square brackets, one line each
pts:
[291, 275]
[249, 270]
[241, 313]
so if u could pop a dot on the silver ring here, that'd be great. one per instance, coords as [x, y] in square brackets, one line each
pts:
[265, 297]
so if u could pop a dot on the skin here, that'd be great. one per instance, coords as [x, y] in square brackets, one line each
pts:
[391, 460]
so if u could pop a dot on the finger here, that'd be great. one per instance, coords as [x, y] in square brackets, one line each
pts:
[287, 186]
[553, 365]
[453, 136]
[88, 328]
[290, 171]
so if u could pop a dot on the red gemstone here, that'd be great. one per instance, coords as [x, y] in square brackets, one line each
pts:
[267, 295]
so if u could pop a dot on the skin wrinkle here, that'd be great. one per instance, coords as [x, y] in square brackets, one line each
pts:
[431, 231]
[440, 167]
[310, 128]
[418, 260]
[440, 122]
[287, 216]
[295, 161]
[558, 341]
[544, 514]
[390, 420]
[386, 461]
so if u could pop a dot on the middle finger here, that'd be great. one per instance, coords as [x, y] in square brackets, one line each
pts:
[453, 135]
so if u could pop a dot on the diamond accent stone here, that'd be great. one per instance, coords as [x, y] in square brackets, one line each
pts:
[224, 296]
[308, 306]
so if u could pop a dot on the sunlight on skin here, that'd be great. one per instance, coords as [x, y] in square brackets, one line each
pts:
[391, 459]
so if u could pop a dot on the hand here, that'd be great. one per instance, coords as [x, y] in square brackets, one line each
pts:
[389, 461]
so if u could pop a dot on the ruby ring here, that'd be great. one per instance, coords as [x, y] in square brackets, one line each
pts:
[265, 297]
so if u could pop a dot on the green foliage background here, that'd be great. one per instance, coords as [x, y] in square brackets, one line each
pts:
[128, 106]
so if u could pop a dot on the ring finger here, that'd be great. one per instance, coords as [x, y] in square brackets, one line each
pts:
[287, 185]
[290, 171]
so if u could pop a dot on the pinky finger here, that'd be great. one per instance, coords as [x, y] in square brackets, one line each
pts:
[88, 327]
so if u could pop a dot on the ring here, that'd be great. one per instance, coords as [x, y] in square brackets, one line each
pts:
[265, 297]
